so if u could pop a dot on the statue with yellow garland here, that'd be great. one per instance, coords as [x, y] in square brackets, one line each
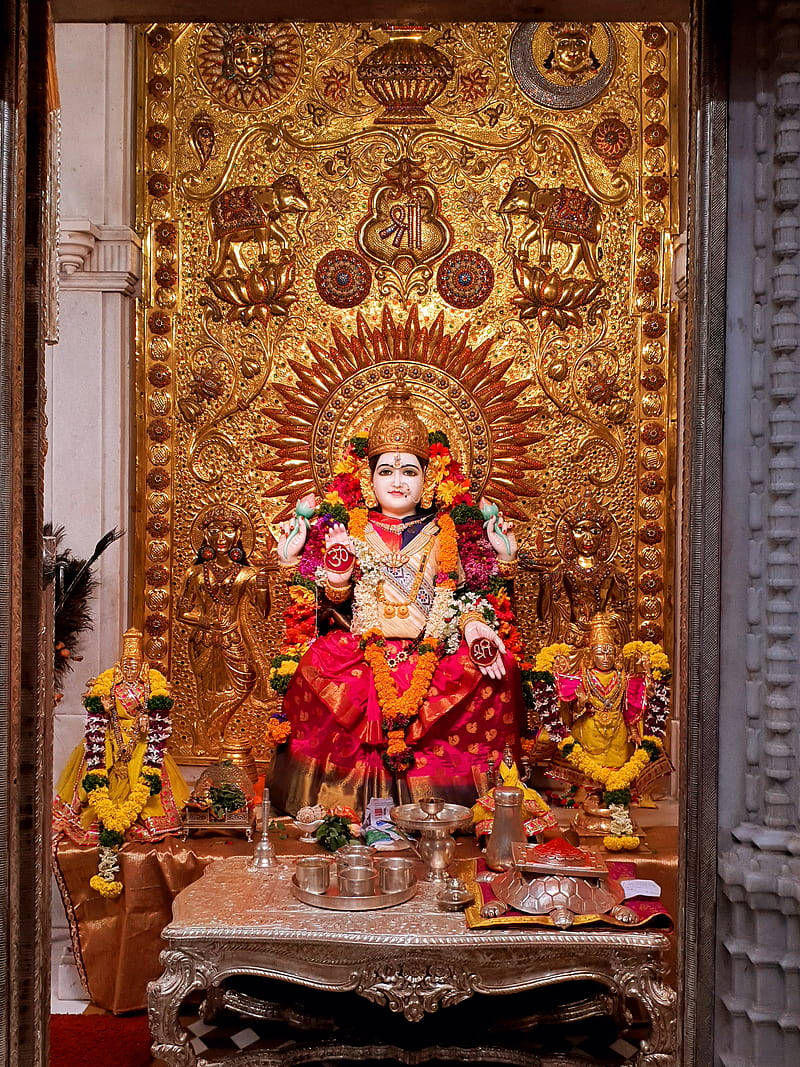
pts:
[120, 783]
[398, 668]
[606, 706]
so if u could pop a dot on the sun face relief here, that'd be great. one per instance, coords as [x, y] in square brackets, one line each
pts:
[248, 58]
[572, 55]
[397, 483]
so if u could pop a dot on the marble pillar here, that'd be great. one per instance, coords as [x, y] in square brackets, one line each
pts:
[88, 472]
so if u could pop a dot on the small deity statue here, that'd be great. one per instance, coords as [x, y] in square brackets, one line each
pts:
[571, 56]
[395, 673]
[604, 701]
[217, 590]
[585, 583]
[120, 781]
[538, 817]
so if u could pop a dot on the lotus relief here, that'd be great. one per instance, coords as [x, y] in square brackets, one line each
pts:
[551, 297]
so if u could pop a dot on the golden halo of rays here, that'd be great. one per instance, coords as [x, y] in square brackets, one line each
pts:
[340, 389]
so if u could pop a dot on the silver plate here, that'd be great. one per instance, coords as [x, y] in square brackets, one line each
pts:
[334, 901]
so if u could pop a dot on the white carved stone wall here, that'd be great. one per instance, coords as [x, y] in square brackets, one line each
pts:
[89, 402]
[758, 1021]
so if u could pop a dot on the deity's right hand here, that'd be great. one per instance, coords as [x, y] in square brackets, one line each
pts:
[295, 532]
[291, 541]
[339, 556]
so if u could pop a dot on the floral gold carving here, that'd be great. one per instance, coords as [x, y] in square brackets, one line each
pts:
[414, 991]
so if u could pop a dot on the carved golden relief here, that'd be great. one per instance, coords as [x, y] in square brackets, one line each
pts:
[500, 224]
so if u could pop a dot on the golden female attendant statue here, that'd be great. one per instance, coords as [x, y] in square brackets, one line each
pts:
[120, 779]
[395, 671]
[585, 582]
[217, 589]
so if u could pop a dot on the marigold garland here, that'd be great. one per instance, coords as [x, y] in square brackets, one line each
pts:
[613, 779]
[120, 817]
[105, 888]
[621, 842]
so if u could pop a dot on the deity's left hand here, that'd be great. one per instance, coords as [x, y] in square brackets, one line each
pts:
[338, 535]
[634, 732]
[495, 527]
[475, 631]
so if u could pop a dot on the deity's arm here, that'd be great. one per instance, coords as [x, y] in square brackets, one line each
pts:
[187, 608]
[569, 686]
[256, 582]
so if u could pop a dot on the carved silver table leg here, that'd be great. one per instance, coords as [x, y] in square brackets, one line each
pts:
[181, 976]
[646, 985]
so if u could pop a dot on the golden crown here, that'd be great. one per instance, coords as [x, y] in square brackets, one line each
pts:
[132, 645]
[398, 428]
[559, 30]
[588, 508]
[222, 513]
[601, 631]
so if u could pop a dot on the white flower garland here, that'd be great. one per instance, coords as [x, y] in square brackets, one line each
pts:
[442, 623]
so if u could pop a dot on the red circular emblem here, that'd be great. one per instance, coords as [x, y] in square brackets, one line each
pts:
[483, 651]
[339, 559]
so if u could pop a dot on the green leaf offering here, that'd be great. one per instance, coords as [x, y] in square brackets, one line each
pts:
[334, 833]
[225, 798]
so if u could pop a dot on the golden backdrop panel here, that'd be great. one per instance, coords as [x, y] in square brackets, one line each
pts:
[501, 224]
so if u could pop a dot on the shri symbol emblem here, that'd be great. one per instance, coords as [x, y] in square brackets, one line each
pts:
[406, 223]
[483, 651]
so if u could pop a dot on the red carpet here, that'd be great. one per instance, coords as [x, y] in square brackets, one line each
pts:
[81, 1040]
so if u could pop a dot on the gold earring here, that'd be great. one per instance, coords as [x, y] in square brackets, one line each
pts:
[367, 490]
[428, 491]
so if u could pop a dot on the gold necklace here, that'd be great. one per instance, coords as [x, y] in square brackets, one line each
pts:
[401, 525]
[391, 609]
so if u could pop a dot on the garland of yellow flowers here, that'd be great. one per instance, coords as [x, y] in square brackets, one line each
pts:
[115, 819]
[399, 711]
[613, 779]
[616, 781]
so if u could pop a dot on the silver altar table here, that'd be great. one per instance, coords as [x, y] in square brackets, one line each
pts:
[412, 959]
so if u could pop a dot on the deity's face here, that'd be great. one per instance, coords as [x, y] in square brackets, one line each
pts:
[397, 483]
[604, 657]
[586, 536]
[571, 55]
[247, 56]
[222, 536]
[129, 668]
